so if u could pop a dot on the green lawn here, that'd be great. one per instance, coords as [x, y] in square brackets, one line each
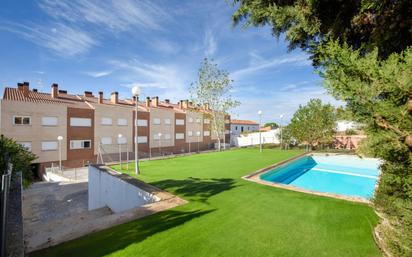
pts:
[228, 216]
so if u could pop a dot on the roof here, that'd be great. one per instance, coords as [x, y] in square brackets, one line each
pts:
[88, 100]
[243, 122]
[14, 94]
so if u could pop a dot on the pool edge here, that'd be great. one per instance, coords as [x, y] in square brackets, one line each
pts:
[255, 177]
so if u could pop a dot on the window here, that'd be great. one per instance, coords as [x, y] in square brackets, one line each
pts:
[167, 136]
[49, 145]
[236, 128]
[80, 144]
[106, 140]
[190, 133]
[198, 133]
[227, 121]
[227, 132]
[49, 121]
[206, 121]
[180, 122]
[198, 120]
[142, 139]
[167, 122]
[206, 133]
[26, 145]
[190, 120]
[156, 121]
[122, 140]
[80, 122]
[142, 123]
[106, 121]
[156, 136]
[21, 120]
[122, 122]
[180, 136]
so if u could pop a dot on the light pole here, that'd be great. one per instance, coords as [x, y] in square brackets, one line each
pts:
[160, 143]
[260, 132]
[281, 139]
[198, 140]
[136, 93]
[60, 138]
[120, 148]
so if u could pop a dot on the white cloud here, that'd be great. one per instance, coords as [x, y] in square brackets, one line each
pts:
[98, 74]
[60, 38]
[277, 103]
[260, 64]
[119, 15]
[209, 43]
[166, 80]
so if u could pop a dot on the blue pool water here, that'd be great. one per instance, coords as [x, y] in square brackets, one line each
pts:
[341, 174]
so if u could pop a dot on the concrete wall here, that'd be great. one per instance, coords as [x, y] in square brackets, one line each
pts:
[192, 125]
[162, 114]
[35, 132]
[113, 130]
[108, 190]
[253, 138]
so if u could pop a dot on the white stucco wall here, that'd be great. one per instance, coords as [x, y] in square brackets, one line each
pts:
[253, 138]
[108, 190]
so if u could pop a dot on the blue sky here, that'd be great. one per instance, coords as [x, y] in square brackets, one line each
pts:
[113, 45]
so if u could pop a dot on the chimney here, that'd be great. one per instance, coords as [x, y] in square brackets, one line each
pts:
[167, 101]
[20, 86]
[156, 101]
[114, 98]
[180, 104]
[190, 104]
[148, 101]
[135, 99]
[88, 94]
[26, 89]
[100, 99]
[206, 106]
[34, 89]
[185, 104]
[55, 90]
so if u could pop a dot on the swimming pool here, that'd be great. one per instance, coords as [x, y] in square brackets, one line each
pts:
[346, 175]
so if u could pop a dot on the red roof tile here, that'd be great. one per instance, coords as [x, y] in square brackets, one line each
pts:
[243, 122]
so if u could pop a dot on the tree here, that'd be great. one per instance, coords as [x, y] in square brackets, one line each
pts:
[272, 125]
[361, 49]
[313, 123]
[18, 156]
[212, 89]
[286, 137]
[365, 24]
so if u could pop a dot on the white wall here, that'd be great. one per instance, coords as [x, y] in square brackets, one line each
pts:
[108, 190]
[342, 125]
[237, 128]
[253, 138]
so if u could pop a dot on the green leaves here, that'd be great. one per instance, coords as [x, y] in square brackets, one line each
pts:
[313, 123]
[18, 156]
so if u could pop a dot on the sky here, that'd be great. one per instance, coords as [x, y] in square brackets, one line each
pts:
[87, 45]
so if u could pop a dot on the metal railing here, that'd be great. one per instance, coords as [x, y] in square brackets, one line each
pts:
[5, 189]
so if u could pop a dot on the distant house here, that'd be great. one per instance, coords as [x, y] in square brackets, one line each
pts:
[239, 126]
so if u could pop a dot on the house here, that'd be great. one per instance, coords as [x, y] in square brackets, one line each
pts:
[89, 125]
[240, 126]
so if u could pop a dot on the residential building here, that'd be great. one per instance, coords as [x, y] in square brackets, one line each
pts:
[242, 126]
[91, 125]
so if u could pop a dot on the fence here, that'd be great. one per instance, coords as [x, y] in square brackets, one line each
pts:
[5, 189]
[116, 153]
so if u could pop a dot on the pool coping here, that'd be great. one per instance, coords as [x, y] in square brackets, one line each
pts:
[255, 177]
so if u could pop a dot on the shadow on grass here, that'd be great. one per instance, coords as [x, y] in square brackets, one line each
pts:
[111, 240]
[200, 189]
